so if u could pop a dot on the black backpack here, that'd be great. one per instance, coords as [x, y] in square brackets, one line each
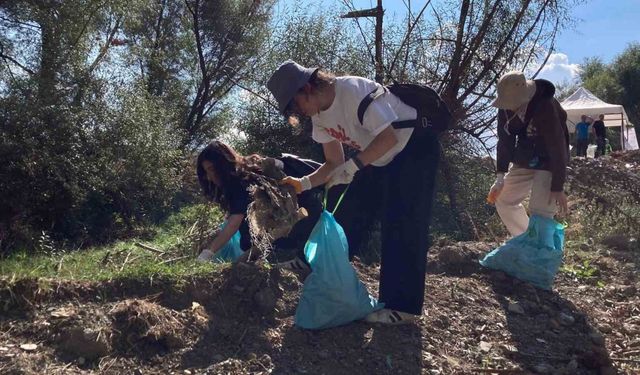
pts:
[433, 112]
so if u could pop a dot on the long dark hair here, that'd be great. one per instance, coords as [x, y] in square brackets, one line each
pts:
[231, 168]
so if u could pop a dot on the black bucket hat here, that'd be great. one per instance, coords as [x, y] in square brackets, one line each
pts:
[287, 80]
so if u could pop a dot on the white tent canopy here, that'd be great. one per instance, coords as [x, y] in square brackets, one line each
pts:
[583, 102]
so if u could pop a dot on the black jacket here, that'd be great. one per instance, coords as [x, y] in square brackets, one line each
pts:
[541, 141]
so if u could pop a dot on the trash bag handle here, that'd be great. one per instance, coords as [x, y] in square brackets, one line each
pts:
[324, 201]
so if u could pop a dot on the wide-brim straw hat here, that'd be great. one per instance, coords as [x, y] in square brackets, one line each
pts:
[514, 90]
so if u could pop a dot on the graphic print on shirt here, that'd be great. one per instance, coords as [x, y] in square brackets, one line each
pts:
[341, 136]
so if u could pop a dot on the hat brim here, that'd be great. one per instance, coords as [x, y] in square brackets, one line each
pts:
[502, 102]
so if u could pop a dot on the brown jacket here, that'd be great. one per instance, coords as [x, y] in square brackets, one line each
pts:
[543, 144]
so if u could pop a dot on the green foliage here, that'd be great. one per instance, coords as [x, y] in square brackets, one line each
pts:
[82, 181]
[122, 259]
[96, 264]
[584, 271]
[190, 229]
[601, 80]
[606, 195]
[627, 71]
[616, 82]
[137, 164]
[473, 177]
[101, 106]
[103, 103]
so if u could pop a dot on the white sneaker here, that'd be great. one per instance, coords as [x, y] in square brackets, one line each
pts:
[391, 317]
[205, 256]
[295, 264]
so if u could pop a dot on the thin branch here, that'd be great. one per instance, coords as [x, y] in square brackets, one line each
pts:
[406, 37]
[532, 50]
[14, 61]
[373, 59]
[86, 24]
[490, 64]
[453, 72]
[24, 24]
[479, 37]
[546, 59]
[440, 45]
[551, 50]
[105, 48]
[235, 82]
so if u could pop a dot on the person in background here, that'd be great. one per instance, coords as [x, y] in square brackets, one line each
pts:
[533, 135]
[224, 177]
[600, 132]
[582, 137]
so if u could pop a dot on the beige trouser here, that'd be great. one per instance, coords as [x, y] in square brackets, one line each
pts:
[517, 185]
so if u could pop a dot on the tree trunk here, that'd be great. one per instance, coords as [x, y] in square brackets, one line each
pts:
[49, 59]
[379, 68]
[155, 65]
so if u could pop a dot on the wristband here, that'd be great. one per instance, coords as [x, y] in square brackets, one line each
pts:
[357, 162]
[500, 177]
[305, 182]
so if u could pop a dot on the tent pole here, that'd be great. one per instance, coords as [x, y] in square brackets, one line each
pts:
[622, 131]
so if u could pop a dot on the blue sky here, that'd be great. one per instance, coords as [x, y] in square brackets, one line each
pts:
[600, 28]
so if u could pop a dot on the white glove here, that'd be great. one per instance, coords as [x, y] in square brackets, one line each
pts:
[343, 174]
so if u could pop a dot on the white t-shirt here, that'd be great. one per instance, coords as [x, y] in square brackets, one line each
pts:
[340, 121]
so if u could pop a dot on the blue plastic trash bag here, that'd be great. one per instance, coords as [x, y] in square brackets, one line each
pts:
[332, 294]
[533, 256]
[231, 251]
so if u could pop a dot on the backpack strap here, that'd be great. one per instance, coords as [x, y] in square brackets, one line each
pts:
[366, 101]
[373, 95]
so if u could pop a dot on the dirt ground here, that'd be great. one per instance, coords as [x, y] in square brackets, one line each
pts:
[240, 321]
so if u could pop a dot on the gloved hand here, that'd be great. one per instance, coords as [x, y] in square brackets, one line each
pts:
[343, 174]
[496, 188]
[299, 184]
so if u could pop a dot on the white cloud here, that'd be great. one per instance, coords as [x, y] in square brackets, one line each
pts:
[558, 69]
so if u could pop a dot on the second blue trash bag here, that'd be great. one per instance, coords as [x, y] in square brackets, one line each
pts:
[332, 294]
[231, 251]
[533, 256]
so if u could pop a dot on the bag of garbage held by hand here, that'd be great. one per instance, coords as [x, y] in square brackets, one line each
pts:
[534, 256]
[231, 251]
[332, 294]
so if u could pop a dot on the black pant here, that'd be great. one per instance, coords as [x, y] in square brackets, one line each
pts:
[402, 193]
[360, 208]
[581, 147]
[601, 143]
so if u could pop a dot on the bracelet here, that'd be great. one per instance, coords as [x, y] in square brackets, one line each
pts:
[358, 162]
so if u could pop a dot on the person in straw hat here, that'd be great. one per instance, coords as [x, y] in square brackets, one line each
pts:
[533, 137]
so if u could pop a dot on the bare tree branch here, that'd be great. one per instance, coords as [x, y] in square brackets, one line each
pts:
[14, 61]
[364, 38]
[407, 35]
[106, 46]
